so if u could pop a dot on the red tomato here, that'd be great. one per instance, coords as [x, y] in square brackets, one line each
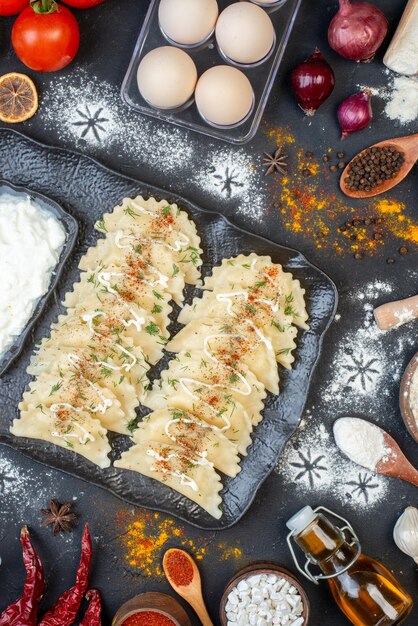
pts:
[46, 42]
[83, 4]
[12, 7]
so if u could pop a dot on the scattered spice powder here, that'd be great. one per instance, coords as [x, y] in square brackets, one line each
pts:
[179, 568]
[305, 204]
[146, 535]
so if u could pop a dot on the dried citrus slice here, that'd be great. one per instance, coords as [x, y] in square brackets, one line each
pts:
[18, 98]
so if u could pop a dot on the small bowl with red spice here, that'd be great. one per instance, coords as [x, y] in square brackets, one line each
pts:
[151, 609]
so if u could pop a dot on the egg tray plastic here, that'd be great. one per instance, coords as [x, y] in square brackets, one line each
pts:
[261, 76]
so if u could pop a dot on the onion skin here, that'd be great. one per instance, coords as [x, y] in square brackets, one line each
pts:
[355, 113]
[312, 82]
[357, 30]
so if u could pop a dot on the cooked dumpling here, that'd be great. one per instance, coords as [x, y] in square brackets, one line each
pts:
[104, 355]
[162, 223]
[191, 433]
[231, 342]
[145, 262]
[276, 326]
[71, 389]
[191, 371]
[112, 318]
[56, 360]
[193, 477]
[266, 281]
[75, 431]
[138, 297]
[213, 406]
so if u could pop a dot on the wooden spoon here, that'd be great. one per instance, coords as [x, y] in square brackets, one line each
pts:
[394, 463]
[408, 145]
[192, 592]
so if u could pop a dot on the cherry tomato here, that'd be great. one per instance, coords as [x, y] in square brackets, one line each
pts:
[12, 7]
[46, 36]
[83, 4]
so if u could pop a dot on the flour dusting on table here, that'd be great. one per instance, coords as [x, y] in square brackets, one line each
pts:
[361, 377]
[90, 113]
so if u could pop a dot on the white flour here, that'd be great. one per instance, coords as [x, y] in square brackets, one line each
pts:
[232, 174]
[91, 113]
[314, 465]
[362, 376]
[361, 441]
[402, 100]
[400, 95]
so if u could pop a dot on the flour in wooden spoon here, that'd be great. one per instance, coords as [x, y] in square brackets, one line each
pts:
[361, 441]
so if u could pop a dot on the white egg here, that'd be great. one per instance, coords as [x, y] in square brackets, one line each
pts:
[166, 77]
[188, 22]
[224, 95]
[245, 33]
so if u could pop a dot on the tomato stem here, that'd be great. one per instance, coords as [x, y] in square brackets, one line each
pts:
[44, 6]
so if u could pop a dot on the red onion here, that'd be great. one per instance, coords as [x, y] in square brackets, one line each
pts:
[355, 113]
[357, 30]
[312, 82]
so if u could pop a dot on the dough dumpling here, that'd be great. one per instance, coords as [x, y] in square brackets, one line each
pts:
[192, 371]
[161, 222]
[192, 477]
[77, 432]
[175, 426]
[213, 406]
[226, 341]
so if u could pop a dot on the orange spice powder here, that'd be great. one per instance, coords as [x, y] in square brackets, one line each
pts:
[145, 536]
[305, 206]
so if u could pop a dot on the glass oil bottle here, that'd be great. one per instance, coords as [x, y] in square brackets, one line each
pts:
[365, 591]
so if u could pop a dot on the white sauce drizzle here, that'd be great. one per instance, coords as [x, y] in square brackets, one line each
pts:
[85, 435]
[89, 317]
[184, 479]
[178, 244]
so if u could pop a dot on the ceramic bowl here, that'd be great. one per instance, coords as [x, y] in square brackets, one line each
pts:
[264, 568]
[157, 602]
[404, 400]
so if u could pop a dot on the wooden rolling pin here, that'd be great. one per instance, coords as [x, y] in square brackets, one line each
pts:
[396, 313]
[402, 54]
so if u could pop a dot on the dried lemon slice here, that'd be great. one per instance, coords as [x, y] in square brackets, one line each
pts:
[18, 98]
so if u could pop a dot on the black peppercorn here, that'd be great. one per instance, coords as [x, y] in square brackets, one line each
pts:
[358, 256]
[403, 250]
[373, 166]
[390, 261]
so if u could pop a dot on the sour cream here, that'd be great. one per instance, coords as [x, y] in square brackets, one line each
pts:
[31, 241]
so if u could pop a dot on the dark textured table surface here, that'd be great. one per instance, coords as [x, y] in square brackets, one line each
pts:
[359, 369]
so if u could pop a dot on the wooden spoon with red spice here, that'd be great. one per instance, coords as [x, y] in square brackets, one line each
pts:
[183, 575]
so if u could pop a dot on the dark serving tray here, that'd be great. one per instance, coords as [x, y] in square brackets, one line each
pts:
[87, 189]
[71, 229]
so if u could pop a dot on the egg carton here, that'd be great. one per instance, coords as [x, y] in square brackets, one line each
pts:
[261, 75]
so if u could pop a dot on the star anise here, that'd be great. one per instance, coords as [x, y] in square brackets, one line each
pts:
[59, 516]
[275, 162]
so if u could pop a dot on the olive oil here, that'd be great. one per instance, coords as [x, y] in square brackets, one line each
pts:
[366, 592]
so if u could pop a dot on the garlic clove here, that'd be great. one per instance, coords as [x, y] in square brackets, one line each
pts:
[405, 533]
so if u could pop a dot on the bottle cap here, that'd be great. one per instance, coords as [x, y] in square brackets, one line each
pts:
[301, 520]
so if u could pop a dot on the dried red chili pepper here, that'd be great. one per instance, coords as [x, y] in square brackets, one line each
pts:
[24, 611]
[65, 609]
[93, 615]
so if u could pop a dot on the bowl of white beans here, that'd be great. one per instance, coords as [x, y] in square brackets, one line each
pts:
[264, 594]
